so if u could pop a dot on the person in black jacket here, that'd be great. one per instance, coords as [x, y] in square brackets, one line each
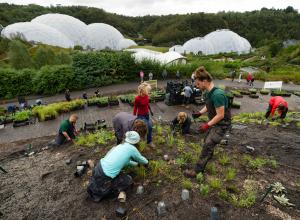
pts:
[181, 123]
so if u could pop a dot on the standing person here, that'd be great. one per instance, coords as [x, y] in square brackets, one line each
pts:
[84, 96]
[249, 78]
[107, 178]
[193, 79]
[142, 108]
[218, 109]
[142, 76]
[252, 81]
[67, 130]
[240, 77]
[68, 95]
[182, 122]
[150, 76]
[277, 103]
[187, 94]
[97, 93]
[233, 75]
[124, 121]
[164, 74]
[178, 75]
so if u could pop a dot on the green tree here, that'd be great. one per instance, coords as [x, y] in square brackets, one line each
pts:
[18, 55]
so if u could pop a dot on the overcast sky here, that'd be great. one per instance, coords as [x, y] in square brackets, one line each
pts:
[159, 7]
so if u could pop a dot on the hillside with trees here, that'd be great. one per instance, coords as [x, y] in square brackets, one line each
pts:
[260, 27]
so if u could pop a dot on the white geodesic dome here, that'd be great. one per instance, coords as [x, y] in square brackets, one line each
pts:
[125, 43]
[103, 36]
[66, 31]
[71, 27]
[220, 41]
[37, 33]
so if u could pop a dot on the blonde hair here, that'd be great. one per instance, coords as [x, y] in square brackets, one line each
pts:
[181, 117]
[144, 89]
[73, 118]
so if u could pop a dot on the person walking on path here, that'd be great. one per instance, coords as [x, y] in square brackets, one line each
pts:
[150, 76]
[219, 115]
[164, 74]
[142, 76]
[178, 75]
[142, 108]
[68, 95]
[107, 178]
[277, 103]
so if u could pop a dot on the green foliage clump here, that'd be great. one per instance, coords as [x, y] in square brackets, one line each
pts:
[204, 189]
[245, 200]
[211, 168]
[223, 194]
[19, 56]
[200, 177]
[215, 183]
[22, 115]
[256, 163]
[224, 159]
[187, 184]
[100, 137]
[231, 174]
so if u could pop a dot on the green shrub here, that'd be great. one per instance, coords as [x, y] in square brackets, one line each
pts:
[54, 79]
[19, 57]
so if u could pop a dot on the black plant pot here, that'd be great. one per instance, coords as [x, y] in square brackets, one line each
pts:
[8, 121]
[100, 105]
[113, 102]
[20, 123]
[254, 96]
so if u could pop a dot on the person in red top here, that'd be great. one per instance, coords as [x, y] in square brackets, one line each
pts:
[249, 78]
[142, 108]
[142, 76]
[277, 102]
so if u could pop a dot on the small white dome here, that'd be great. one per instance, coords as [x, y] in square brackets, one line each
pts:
[37, 33]
[125, 43]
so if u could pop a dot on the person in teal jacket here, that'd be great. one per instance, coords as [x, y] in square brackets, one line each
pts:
[107, 178]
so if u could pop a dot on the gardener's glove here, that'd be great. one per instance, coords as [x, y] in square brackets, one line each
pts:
[204, 128]
[196, 114]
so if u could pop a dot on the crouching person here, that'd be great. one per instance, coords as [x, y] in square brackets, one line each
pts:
[107, 179]
[67, 131]
[181, 123]
[124, 121]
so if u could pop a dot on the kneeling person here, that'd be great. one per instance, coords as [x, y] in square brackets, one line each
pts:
[182, 122]
[107, 178]
[67, 131]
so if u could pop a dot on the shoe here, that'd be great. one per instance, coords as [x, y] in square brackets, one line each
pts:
[190, 173]
[151, 145]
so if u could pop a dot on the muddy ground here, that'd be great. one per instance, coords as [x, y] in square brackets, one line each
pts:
[42, 186]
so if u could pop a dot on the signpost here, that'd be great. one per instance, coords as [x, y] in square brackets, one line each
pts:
[273, 85]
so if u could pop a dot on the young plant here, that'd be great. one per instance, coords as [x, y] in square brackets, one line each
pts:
[231, 174]
[170, 140]
[204, 189]
[215, 183]
[246, 200]
[142, 146]
[224, 159]
[22, 115]
[256, 163]
[160, 140]
[211, 168]
[223, 194]
[273, 163]
[200, 177]
[180, 145]
[180, 161]
[187, 184]
[159, 129]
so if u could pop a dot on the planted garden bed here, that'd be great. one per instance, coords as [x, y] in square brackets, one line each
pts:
[281, 93]
[21, 118]
[113, 101]
[264, 91]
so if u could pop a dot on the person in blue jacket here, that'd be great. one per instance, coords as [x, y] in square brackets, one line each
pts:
[107, 178]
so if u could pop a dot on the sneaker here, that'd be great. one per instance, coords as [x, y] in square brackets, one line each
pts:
[190, 173]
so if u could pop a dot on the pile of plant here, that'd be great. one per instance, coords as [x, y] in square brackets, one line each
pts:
[264, 91]
[259, 118]
[280, 93]
[46, 112]
[236, 104]
[21, 116]
[100, 137]
[128, 98]
[237, 93]
[157, 95]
